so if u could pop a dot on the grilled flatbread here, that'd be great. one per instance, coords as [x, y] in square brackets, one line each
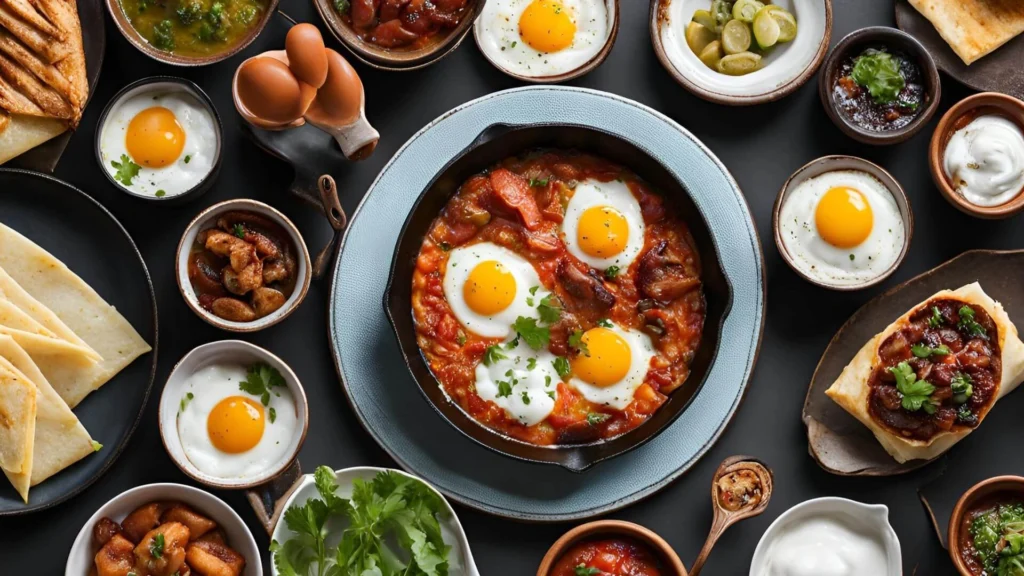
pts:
[45, 45]
[24, 10]
[851, 390]
[45, 97]
[31, 61]
[65, 15]
[974, 28]
[15, 102]
[17, 428]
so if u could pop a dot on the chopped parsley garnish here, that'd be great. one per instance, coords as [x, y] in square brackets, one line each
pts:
[260, 380]
[504, 389]
[156, 546]
[561, 365]
[188, 158]
[611, 272]
[962, 388]
[534, 182]
[239, 231]
[582, 570]
[916, 393]
[163, 35]
[126, 170]
[595, 418]
[525, 397]
[576, 342]
[341, 6]
[968, 324]
[536, 337]
[444, 246]
[493, 354]
[924, 351]
[879, 72]
[965, 415]
[161, 193]
[551, 394]
[531, 363]
[184, 401]
[549, 309]
[460, 338]
[936, 318]
[272, 413]
[604, 323]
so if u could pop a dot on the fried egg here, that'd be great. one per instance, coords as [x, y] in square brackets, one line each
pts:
[521, 381]
[170, 140]
[537, 38]
[603, 225]
[612, 365]
[488, 287]
[228, 433]
[842, 227]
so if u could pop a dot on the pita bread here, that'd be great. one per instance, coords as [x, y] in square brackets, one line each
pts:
[45, 97]
[13, 317]
[974, 28]
[33, 38]
[60, 439]
[67, 302]
[12, 292]
[29, 14]
[31, 61]
[851, 390]
[17, 424]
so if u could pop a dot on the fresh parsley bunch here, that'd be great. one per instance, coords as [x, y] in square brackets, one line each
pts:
[390, 508]
[879, 72]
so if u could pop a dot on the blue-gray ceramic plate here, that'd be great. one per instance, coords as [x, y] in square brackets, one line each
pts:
[385, 397]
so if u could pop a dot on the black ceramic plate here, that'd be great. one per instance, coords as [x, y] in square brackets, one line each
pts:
[45, 156]
[82, 234]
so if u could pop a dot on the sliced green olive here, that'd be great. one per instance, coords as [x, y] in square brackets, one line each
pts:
[698, 37]
[712, 54]
[744, 10]
[722, 11]
[786, 22]
[739, 64]
[766, 28]
[705, 19]
[735, 37]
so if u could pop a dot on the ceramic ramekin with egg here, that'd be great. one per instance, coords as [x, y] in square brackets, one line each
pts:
[879, 266]
[192, 117]
[207, 219]
[504, 42]
[83, 550]
[1006, 155]
[833, 520]
[784, 69]
[190, 397]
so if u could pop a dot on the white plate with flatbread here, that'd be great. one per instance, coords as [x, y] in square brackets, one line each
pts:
[78, 333]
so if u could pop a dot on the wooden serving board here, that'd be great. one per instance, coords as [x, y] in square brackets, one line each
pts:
[839, 442]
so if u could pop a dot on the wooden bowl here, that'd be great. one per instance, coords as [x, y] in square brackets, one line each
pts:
[829, 164]
[986, 489]
[607, 528]
[961, 114]
[137, 40]
[397, 59]
[874, 37]
[613, 32]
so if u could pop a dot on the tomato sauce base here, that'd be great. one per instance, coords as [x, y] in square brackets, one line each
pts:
[614, 557]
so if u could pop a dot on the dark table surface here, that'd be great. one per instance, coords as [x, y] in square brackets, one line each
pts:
[761, 145]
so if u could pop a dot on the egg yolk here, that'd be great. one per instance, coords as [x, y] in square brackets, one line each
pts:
[843, 217]
[546, 26]
[489, 288]
[608, 360]
[602, 231]
[235, 424]
[155, 138]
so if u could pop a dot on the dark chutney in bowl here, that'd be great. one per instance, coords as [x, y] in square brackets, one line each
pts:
[879, 90]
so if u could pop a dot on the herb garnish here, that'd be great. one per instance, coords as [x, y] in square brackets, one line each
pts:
[392, 508]
[595, 418]
[493, 354]
[611, 272]
[925, 351]
[531, 363]
[188, 158]
[916, 393]
[582, 570]
[536, 337]
[936, 318]
[156, 546]
[184, 402]
[260, 380]
[549, 309]
[341, 6]
[526, 397]
[879, 72]
[239, 231]
[163, 35]
[576, 341]
[968, 324]
[126, 170]
[604, 323]
[534, 182]
[962, 388]
[561, 365]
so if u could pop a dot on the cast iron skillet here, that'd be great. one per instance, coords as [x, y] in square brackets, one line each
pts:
[492, 145]
[86, 237]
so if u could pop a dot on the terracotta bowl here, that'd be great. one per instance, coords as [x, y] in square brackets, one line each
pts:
[613, 32]
[610, 528]
[137, 40]
[990, 489]
[961, 114]
[397, 59]
[207, 219]
[879, 37]
[829, 164]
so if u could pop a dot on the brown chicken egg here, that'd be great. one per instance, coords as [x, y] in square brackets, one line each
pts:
[306, 54]
[339, 100]
[270, 91]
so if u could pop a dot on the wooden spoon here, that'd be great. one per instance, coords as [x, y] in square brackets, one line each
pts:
[741, 489]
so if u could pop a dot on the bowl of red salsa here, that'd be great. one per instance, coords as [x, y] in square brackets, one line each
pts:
[611, 548]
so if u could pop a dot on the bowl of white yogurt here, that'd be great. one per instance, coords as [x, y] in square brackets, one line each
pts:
[977, 155]
[829, 537]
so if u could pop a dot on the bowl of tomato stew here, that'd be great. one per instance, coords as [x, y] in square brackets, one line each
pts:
[399, 35]
[986, 528]
[611, 548]
[662, 306]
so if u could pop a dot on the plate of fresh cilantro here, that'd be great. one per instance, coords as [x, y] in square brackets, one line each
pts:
[370, 522]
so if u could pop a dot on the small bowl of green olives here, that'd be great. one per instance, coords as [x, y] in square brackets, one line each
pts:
[743, 52]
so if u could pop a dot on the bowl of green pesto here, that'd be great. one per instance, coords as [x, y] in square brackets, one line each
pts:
[986, 529]
[191, 32]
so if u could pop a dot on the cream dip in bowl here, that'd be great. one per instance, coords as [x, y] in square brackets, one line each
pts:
[829, 537]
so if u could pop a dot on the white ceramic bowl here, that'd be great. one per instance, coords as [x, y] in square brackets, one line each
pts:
[785, 68]
[208, 219]
[460, 558]
[227, 352]
[873, 518]
[238, 535]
